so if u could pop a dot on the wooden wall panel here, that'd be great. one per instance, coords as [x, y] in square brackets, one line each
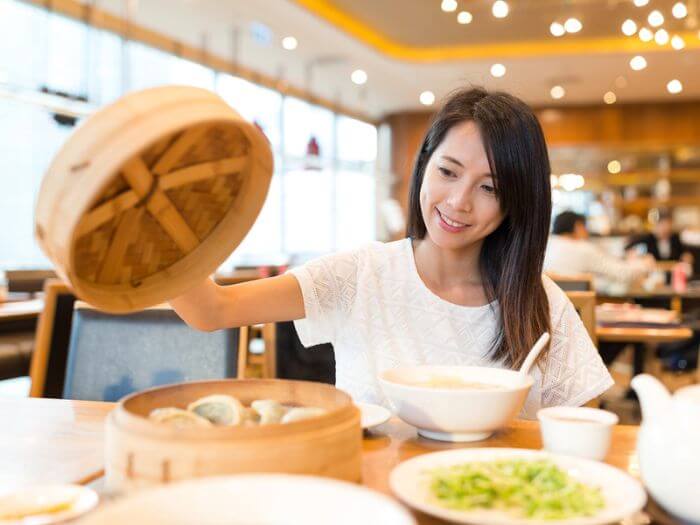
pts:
[650, 125]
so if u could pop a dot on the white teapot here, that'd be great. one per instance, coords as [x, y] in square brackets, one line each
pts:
[669, 445]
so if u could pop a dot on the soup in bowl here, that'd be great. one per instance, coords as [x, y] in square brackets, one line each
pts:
[455, 403]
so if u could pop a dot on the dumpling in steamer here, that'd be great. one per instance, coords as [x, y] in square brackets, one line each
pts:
[301, 413]
[219, 409]
[178, 418]
[270, 411]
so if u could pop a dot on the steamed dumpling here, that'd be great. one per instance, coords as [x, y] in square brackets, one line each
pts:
[219, 409]
[270, 411]
[301, 413]
[178, 418]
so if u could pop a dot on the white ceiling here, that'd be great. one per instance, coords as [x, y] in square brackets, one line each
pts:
[394, 85]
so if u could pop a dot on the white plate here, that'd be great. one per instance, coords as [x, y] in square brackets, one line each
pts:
[254, 499]
[372, 415]
[623, 494]
[84, 499]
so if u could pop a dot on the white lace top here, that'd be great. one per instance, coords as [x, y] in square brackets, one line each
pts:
[372, 305]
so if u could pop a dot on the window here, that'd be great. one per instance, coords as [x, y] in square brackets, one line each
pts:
[324, 163]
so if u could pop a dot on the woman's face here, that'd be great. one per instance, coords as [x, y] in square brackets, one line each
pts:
[457, 199]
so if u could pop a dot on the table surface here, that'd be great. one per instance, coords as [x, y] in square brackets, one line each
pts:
[14, 310]
[49, 440]
[613, 334]
[662, 292]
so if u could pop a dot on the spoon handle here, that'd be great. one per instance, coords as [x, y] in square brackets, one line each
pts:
[534, 353]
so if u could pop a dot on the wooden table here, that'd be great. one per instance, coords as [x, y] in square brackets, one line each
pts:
[615, 334]
[46, 440]
[20, 310]
[664, 292]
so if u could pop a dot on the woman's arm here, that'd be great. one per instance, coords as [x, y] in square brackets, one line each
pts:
[210, 307]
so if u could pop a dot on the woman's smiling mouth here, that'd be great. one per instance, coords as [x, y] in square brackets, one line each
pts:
[450, 225]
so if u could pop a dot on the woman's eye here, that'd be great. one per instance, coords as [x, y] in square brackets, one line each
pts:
[445, 172]
[488, 189]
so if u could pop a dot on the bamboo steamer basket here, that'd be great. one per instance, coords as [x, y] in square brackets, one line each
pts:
[150, 195]
[140, 452]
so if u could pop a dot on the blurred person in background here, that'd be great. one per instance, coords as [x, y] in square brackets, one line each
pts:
[662, 242]
[570, 252]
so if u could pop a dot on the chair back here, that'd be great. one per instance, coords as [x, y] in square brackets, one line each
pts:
[584, 302]
[111, 356]
[27, 280]
[582, 282]
[48, 366]
[294, 361]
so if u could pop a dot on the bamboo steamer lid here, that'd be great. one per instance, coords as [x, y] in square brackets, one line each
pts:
[150, 195]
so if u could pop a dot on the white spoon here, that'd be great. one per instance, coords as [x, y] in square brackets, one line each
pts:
[533, 354]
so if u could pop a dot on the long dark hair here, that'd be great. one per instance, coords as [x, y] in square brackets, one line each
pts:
[511, 257]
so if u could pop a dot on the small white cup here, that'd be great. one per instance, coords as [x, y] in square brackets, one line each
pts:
[577, 431]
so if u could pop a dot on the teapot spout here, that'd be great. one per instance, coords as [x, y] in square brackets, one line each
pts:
[653, 396]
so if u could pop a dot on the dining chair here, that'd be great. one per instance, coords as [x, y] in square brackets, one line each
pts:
[582, 282]
[111, 355]
[584, 302]
[48, 364]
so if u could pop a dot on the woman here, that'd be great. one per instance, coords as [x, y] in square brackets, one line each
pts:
[464, 288]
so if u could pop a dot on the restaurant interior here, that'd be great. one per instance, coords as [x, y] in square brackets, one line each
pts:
[148, 145]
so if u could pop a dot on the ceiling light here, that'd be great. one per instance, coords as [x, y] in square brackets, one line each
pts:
[646, 35]
[289, 43]
[557, 29]
[610, 97]
[573, 25]
[679, 10]
[638, 63]
[661, 37]
[557, 92]
[655, 18]
[448, 5]
[674, 87]
[641, 3]
[464, 17]
[427, 98]
[500, 9]
[498, 70]
[359, 77]
[629, 27]
[614, 167]
[677, 42]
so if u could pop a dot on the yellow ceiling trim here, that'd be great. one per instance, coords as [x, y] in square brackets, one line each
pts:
[535, 48]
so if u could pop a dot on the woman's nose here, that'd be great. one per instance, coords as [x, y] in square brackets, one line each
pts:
[461, 199]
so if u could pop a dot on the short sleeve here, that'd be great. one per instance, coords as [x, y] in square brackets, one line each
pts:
[328, 286]
[573, 372]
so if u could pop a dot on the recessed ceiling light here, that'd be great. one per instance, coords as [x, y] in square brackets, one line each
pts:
[557, 92]
[500, 9]
[448, 5]
[610, 97]
[629, 27]
[646, 34]
[641, 3]
[661, 37]
[427, 98]
[557, 29]
[677, 42]
[464, 17]
[498, 70]
[573, 25]
[679, 10]
[638, 63]
[655, 18]
[289, 43]
[674, 87]
[359, 77]
[614, 166]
